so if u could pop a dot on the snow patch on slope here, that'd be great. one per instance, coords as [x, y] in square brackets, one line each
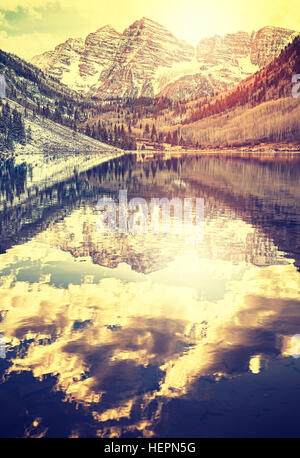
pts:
[70, 75]
[246, 65]
[167, 75]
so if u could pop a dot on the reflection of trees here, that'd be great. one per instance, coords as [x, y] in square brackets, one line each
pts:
[41, 207]
[264, 193]
[12, 179]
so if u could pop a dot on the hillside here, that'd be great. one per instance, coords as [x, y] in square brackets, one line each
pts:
[32, 88]
[259, 109]
[45, 98]
[47, 136]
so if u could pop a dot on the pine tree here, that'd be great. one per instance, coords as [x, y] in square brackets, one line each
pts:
[169, 138]
[153, 133]
[174, 138]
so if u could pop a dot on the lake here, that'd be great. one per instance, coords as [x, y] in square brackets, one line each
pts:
[155, 334]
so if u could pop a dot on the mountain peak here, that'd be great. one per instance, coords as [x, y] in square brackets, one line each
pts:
[71, 43]
[147, 57]
[273, 28]
[102, 36]
[106, 28]
[146, 19]
[144, 23]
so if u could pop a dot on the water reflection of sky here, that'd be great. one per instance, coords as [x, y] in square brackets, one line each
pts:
[116, 339]
[111, 335]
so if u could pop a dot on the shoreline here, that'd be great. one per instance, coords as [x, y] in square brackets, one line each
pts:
[44, 170]
[262, 151]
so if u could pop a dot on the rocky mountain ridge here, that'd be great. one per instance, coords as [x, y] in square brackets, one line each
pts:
[147, 60]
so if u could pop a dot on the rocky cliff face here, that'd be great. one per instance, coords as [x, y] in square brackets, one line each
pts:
[144, 47]
[60, 61]
[228, 48]
[224, 61]
[260, 47]
[147, 60]
[99, 51]
[79, 63]
[267, 42]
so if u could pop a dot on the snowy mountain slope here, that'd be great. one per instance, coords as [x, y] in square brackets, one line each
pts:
[32, 88]
[44, 136]
[53, 152]
[49, 137]
[144, 47]
[225, 61]
[78, 63]
[147, 60]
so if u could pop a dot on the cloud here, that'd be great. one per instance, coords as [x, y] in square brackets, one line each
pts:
[190, 20]
[142, 340]
[33, 27]
[27, 45]
[2, 18]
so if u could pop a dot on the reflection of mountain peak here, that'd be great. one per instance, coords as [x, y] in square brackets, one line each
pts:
[220, 186]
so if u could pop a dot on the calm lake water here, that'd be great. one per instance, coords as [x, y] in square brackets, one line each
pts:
[156, 334]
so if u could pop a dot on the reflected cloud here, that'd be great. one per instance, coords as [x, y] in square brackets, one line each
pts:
[225, 239]
[135, 343]
[117, 327]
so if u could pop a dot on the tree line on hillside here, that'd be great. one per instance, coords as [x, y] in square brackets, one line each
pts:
[173, 138]
[12, 129]
[115, 136]
[271, 83]
[41, 94]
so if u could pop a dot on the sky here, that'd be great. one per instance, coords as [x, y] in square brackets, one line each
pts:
[30, 27]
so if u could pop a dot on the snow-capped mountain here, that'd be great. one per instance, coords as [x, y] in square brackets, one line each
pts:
[222, 62]
[147, 60]
[79, 63]
[144, 48]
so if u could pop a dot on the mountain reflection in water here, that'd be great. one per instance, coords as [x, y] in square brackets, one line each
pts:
[146, 335]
